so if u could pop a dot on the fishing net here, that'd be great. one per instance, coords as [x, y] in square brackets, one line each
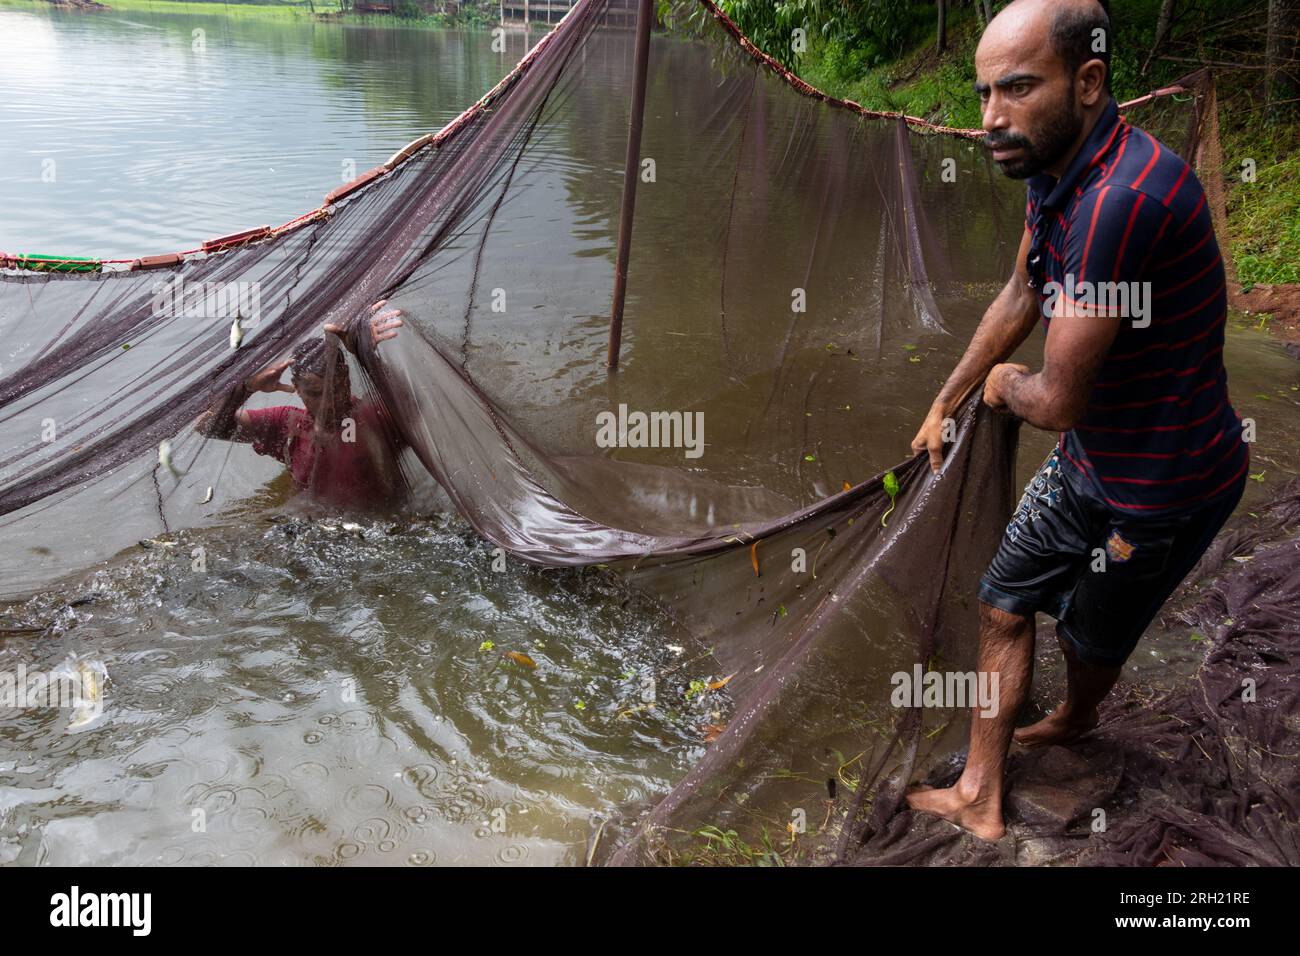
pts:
[762, 531]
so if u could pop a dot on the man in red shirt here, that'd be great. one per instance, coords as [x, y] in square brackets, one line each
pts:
[339, 449]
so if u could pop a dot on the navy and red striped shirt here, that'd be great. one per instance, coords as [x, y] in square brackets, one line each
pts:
[1159, 435]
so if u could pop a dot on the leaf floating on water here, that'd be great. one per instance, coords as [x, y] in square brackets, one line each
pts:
[486, 646]
[712, 732]
[753, 557]
[847, 486]
[891, 487]
[207, 497]
[809, 457]
[719, 684]
[522, 659]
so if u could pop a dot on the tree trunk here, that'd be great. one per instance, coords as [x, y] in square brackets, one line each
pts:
[1163, 24]
[1164, 20]
[943, 25]
[1273, 81]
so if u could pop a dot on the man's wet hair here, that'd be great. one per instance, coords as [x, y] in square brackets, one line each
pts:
[1073, 27]
[311, 356]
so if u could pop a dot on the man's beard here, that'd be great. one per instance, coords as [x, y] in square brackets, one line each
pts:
[1051, 144]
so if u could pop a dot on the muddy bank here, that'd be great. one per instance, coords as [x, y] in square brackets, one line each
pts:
[1280, 302]
[1204, 774]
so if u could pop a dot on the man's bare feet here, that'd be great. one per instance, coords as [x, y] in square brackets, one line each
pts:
[1058, 727]
[979, 815]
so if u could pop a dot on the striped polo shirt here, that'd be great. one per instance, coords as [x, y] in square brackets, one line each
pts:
[1129, 217]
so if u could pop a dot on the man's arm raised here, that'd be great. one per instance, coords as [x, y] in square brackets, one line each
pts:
[227, 419]
[1006, 324]
[383, 325]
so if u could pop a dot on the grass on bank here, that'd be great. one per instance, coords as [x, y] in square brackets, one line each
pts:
[1263, 216]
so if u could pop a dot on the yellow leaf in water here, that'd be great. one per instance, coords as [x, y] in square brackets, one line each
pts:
[719, 684]
[753, 557]
[523, 660]
[712, 732]
[847, 486]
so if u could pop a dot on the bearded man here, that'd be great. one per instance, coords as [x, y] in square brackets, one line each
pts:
[1120, 263]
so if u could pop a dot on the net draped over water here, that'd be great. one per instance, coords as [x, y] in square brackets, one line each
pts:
[771, 541]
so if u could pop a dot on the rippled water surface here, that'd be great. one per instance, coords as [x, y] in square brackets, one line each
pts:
[332, 691]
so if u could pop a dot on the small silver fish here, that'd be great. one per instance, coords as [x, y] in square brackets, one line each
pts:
[165, 458]
[87, 679]
[207, 497]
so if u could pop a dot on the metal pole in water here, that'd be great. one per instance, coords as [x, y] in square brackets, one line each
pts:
[635, 124]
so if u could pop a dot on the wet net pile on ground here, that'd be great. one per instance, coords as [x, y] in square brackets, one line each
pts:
[767, 538]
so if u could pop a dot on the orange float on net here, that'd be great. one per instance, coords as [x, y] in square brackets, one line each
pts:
[349, 188]
[236, 239]
[163, 261]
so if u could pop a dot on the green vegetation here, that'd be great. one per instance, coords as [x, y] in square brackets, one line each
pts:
[884, 55]
[727, 848]
[891, 488]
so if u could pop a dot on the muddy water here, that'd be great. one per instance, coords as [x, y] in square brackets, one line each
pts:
[371, 691]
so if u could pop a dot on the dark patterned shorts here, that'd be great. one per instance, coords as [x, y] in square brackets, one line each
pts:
[1103, 576]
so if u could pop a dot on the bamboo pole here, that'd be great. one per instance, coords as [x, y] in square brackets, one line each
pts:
[630, 174]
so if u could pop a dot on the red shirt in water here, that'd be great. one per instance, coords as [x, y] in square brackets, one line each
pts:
[347, 474]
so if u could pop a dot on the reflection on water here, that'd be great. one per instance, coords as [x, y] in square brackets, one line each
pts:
[102, 155]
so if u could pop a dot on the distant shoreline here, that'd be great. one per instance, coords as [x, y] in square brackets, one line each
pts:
[269, 10]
